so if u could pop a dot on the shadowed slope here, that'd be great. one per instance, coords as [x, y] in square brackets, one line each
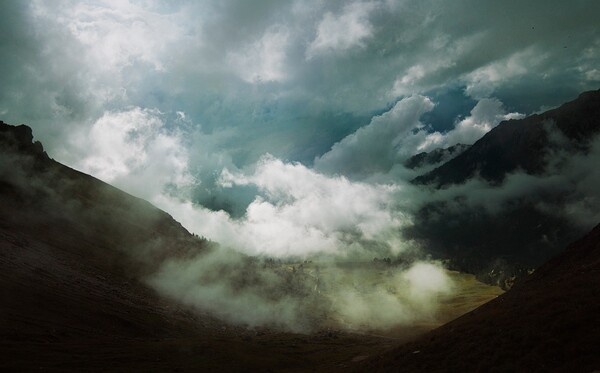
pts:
[548, 322]
[73, 254]
[511, 194]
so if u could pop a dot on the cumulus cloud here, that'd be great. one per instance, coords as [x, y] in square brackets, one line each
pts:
[486, 114]
[389, 139]
[115, 34]
[69, 62]
[299, 212]
[135, 151]
[482, 82]
[376, 147]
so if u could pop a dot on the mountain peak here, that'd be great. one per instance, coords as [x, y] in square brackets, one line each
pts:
[20, 138]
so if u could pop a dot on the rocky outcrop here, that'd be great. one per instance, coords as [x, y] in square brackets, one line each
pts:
[19, 139]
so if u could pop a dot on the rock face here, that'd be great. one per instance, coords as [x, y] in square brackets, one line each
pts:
[521, 144]
[548, 322]
[19, 139]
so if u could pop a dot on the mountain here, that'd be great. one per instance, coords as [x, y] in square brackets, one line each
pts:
[40, 193]
[521, 144]
[434, 157]
[74, 256]
[526, 171]
[549, 322]
[71, 263]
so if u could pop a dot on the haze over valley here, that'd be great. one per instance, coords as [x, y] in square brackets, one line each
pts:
[299, 186]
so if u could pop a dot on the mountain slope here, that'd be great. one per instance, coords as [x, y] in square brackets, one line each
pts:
[74, 254]
[517, 196]
[434, 157]
[548, 322]
[521, 144]
[70, 262]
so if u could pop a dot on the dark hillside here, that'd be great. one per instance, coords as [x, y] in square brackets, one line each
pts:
[548, 322]
[527, 228]
[73, 255]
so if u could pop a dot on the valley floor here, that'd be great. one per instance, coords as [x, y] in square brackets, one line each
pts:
[62, 310]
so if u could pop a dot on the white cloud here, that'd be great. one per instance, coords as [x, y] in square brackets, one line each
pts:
[133, 150]
[593, 74]
[344, 31]
[116, 33]
[300, 213]
[406, 84]
[264, 59]
[389, 138]
[426, 281]
[486, 114]
[377, 150]
[305, 212]
[69, 61]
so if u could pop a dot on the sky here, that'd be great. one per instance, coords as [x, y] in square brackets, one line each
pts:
[281, 127]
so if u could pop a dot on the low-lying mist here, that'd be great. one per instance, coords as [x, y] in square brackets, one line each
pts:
[307, 254]
[305, 296]
[276, 281]
[299, 253]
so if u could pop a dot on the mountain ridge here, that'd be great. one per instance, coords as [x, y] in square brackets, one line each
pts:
[527, 228]
[439, 155]
[527, 140]
[75, 258]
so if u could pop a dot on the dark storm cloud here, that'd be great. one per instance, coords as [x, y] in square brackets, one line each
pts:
[262, 66]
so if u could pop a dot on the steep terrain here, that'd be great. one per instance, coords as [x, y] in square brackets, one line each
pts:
[523, 231]
[548, 322]
[75, 256]
[521, 143]
[435, 157]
